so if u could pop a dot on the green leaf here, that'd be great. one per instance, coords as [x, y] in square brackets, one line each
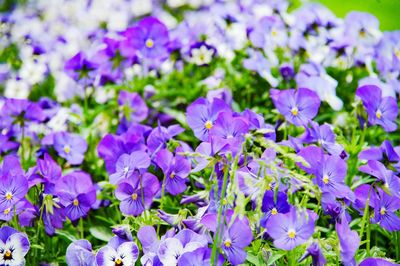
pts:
[101, 233]
[66, 235]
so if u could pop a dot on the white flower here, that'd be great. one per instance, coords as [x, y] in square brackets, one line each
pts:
[18, 89]
[202, 55]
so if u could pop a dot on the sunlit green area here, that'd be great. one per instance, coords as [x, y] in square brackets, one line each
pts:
[387, 11]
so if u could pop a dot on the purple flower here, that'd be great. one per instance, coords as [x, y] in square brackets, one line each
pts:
[172, 248]
[329, 171]
[159, 137]
[69, 146]
[18, 111]
[13, 184]
[113, 254]
[136, 193]
[149, 38]
[298, 106]
[377, 262]
[135, 109]
[201, 116]
[385, 208]
[378, 170]
[175, 169]
[14, 246]
[80, 68]
[272, 207]
[291, 229]
[381, 110]
[199, 257]
[80, 253]
[76, 193]
[315, 252]
[228, 132]
[349, 241]
[236, 235]
[128, 163]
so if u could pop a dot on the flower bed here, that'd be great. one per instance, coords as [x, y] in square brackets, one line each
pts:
[197, 133]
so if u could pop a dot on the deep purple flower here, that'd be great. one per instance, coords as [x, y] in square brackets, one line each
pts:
[14, 246]
[378, 170]
[123, 254]
[329, 171]
[381, 110]
[159, 137]
[127, 164]
[349, 241]
[201, 116]
[80, 68]
[111, 147]
[385, 208]
[76, 193]
[70, 146]
[291, 229]
[298, 106]
[313, 250]
[175, 169]
[136, 193]
[80, 253]
[272, 207]
[18, 111]
[135, 109]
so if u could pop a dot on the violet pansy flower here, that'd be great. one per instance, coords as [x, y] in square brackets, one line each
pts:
[136, 108]
[201, 116]
[113, 254]
[136, 193]
[69, 146]
[291, 229]
[349, 241]
[176, 169]
[80, 253]
[127, 164]
[271, 207]
[298, 106]
[76, 193]
[381, 110]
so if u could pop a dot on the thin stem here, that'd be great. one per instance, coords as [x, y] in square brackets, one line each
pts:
[217, 233]
[81, 228]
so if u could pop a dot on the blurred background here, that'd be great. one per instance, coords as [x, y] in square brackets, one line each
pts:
[387, 11]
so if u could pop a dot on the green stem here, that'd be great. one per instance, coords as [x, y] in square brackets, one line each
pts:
[162, 200]
[81, 228]
[217, 233]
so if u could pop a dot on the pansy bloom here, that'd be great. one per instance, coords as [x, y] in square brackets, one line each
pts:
[298, 106]
[13, 246]
[381, 110]
[69, 146]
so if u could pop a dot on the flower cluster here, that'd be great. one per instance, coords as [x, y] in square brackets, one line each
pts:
[198, 133]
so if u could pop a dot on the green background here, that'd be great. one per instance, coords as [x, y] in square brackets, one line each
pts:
[387, 11]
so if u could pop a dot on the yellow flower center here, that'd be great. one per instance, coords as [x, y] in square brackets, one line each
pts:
[325, 179]
[76, 202]
[268, 186]
[378, 114]
[149, 43]
[67, 149]
[7, 255]
[228, 243]
[397, 53]
[9, 196]
[134, 196]
[274, 33]
[7, 211]
[208, 124]
[362, 33]
[295, 111]
[172, 175]
[383, 211]
[118, 262]
[274, 211]
[291, 233]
